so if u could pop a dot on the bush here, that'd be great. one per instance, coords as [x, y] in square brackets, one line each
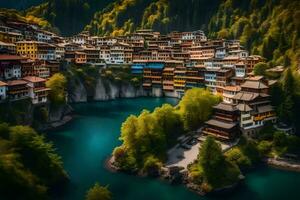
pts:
[264, 148]
[28, 164]
[123, 160]
[152, 166]
[236, 156]
[98, 192]
[218, 172]
[196, 174]
[267, 133]
[196, 107]
[57, 83]
[260, 69]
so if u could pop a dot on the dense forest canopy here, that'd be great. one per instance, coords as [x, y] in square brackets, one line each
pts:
[19, 4]
[266, 27]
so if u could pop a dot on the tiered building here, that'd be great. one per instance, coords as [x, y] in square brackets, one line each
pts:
[169, 64]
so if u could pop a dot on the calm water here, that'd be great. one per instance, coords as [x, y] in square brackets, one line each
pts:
[88, 140]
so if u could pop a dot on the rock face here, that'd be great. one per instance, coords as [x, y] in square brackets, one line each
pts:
[76, 90]
[59, 113]
[106, 89]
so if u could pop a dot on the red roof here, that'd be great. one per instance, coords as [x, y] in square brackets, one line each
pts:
[2, 84]
[34, 79]
[10, 57]
[16, 82]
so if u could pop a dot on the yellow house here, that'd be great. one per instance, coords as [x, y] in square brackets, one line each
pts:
[28, 49]
[10, 37]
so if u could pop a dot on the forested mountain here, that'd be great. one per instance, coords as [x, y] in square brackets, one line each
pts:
[266, 27]
[19, 4]
[71, 16]
[270, 28]
[124, 16]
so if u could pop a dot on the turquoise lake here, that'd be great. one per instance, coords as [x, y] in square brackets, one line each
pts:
[87, 141]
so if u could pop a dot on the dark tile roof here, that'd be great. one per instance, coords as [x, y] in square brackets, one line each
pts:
[221, 124]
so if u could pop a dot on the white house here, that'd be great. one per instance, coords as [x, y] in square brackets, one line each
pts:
[38, 92]
[14, 71]
[44, 36]
[3, 88]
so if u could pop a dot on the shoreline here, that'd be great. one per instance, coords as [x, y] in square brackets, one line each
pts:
[52, 126]
[163, 177]
[283, 164]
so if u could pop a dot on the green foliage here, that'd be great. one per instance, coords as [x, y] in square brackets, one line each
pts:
[152, 166]
[156, 14]
[236, 156]
[41, 114]
[264, 148]
[217, 171]
[287, 97]
[123, 17]
[196, 174]
[57, 83]
[15, 112]
[4, 130]
[33, 15]
[273, 142]
[260, 69]
[28, 164]
[249, 149]
[64, 13]
[293, 144]
[122, 75]
[124, 160]
[196, 107]
[211, 160]
[267, 132]
[268, 28]
[147, 137]
[98, 192]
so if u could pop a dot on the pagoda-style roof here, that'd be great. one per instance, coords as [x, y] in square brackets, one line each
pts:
[221, 124]
[244, 107]
[254, 85]
[264, 109]
[226, 107]
[232, 88]
[246, 96]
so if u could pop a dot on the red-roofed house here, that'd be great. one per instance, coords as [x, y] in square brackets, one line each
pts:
[17, 89]
[38, 92]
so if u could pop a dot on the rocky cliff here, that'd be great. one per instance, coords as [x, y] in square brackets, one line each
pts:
[107, 89]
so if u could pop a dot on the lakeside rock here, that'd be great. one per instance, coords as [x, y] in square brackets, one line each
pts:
[106, 89]
[283, 164]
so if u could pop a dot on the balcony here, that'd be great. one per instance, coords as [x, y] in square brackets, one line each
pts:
[216, 133]
[263, 116]
[169, 88]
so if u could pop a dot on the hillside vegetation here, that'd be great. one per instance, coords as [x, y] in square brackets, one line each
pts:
[266, 27]
[19, 4]
[270, 28]
[125, 16]
[29, 166]
[71, 16]
[34, 15]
